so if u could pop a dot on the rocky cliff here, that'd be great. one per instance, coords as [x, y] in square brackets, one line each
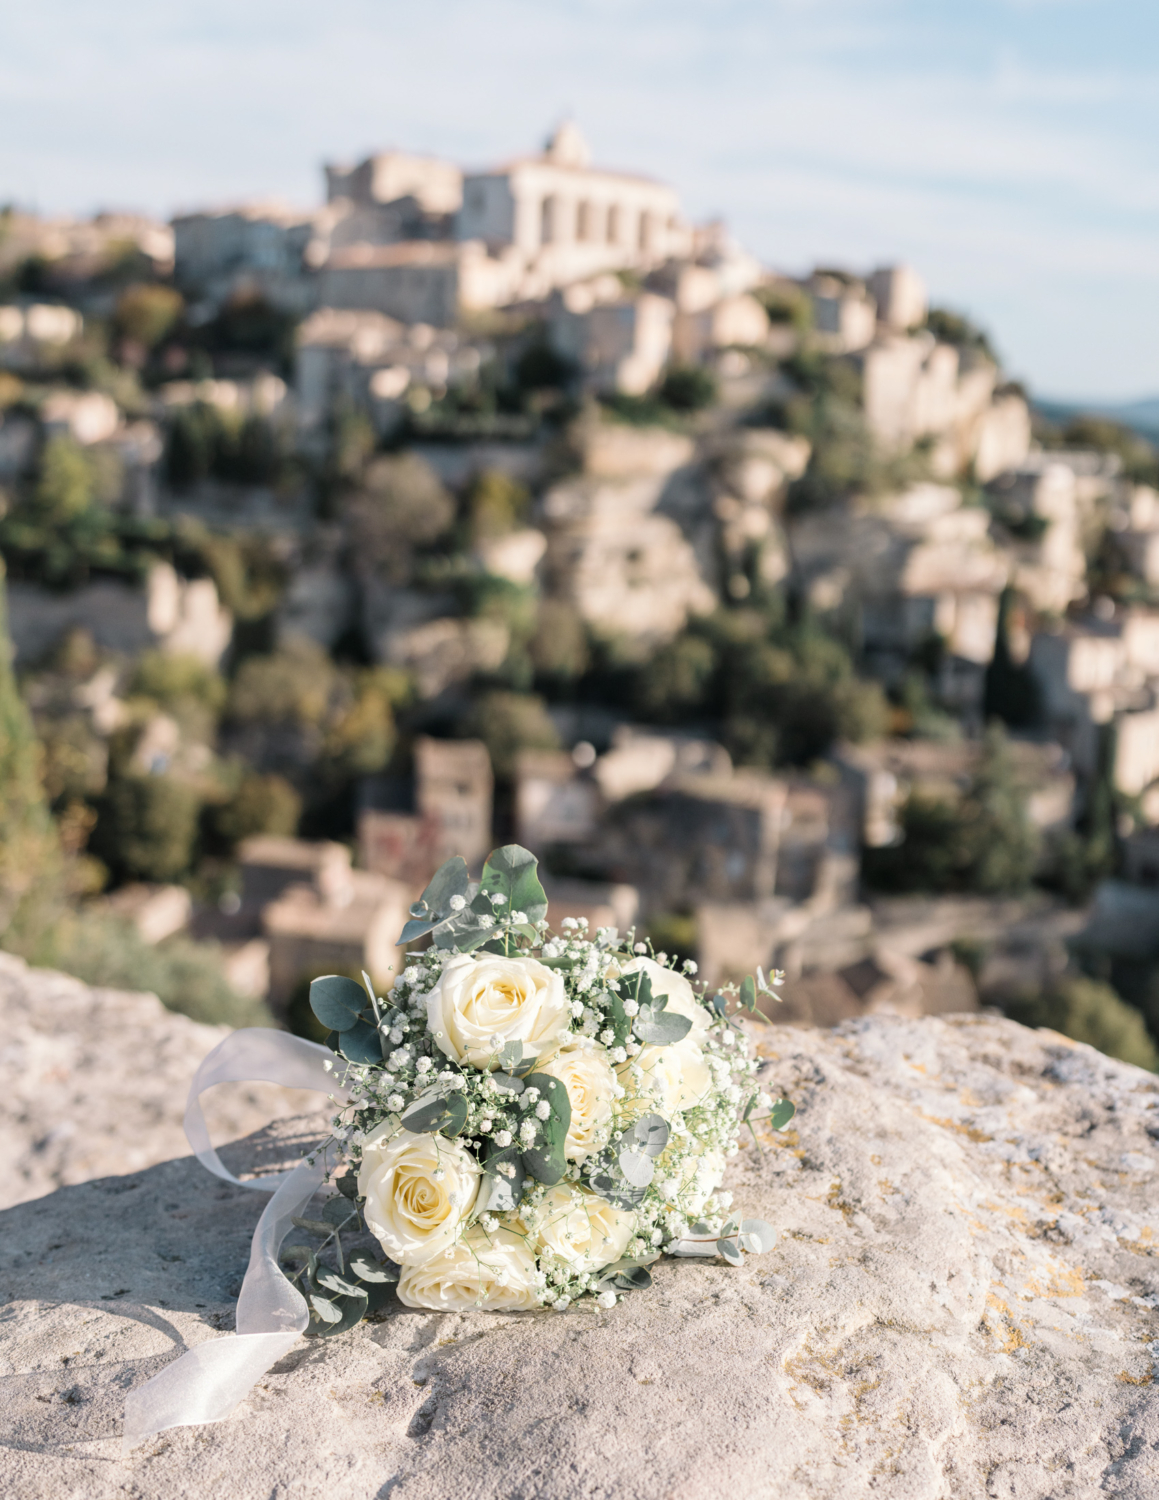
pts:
[963, 1301]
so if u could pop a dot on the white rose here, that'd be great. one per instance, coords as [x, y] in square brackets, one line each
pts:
[580, 1228]
[682, 999]
[411, 1213]
[585, 1072]
[496, 1271]
[676, 1077]
[506, 999]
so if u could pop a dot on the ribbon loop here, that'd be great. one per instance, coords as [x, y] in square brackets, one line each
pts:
[208, 1381]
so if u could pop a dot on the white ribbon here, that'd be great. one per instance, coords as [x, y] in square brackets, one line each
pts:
[207, 1382]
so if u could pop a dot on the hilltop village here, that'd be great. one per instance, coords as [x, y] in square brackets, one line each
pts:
[508, 505]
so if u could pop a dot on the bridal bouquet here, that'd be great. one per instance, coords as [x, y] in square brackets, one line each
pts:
[531, 1117]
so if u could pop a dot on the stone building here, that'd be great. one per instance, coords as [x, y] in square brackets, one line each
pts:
[407, 833]
[263, 247]
[618, 535]
[1101, 672]
[317, 915]
[390, 176]
[566, 219]
[179, 615]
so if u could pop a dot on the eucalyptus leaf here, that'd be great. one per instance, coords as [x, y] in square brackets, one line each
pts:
[434, 905]
[326, 1309]
[315, 1226]
[659, 1028]
[545, 1160]
[649, 1134]
[719, 1003]
[370, 1270]
[689, 1247]
[337, 1001]
[445, 1113]
[763, 1233]
[637, 1168]
[361, 1043]
[351, 1309]
[297, 1252]
[748, 994]
[507, 1083]
[729, 1229]
[498, 1192]
[512, 871]
[379, 1294]
[510, 1055]
[731, 1252]
[620, 1020]
[339, 1210]
[618, 1192]
[335, 1283]
[347, 1184]
[781, 1113]
[626, 1275]
[638, 1279]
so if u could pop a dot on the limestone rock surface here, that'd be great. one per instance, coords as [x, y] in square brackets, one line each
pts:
[93, 1082]
[962, 1303]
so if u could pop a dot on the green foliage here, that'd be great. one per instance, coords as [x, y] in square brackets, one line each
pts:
[32, 874]
[399, 507]
[1105, 436]
[541, 368]
[184, 975]
[688, 388]
[145, 314]
[146, 827]
[1089, 1011]
[955, 328]
[260, 804]
[172, 679]
[1011, 691]
[984, 843]
[673, 933]
[294, 685]
[559, 645]
[205, 443]
[508, 723]
[782, 692]
[785, 303]
[65, 486]
[496, 504]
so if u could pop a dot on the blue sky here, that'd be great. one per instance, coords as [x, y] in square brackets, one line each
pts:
[1007, 148]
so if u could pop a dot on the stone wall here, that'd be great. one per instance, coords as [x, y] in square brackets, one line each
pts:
[962, 1301]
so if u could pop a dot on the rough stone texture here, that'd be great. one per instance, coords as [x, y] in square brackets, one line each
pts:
[94, 1082]
[962, 1304]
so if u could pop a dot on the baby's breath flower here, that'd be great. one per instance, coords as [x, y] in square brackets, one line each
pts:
[607, 1299]
[503, 1138]
[543, 1109]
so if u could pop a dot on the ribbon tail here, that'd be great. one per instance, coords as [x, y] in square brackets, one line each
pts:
[206, 1383]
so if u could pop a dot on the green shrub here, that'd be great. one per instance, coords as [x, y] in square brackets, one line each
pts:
[185, 976]
[261, 804]
[147, 313]
[170, 679]
[65, 486]
[688, 388]
[984, 842]
[1089, 1011]
[508, 723]
[146, 827]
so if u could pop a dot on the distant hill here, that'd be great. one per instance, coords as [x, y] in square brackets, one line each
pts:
[1141, 416]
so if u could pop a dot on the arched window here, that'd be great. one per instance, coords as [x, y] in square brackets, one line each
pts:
[614, 226]
[583, 220]
[547, 221]
[645, 236]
